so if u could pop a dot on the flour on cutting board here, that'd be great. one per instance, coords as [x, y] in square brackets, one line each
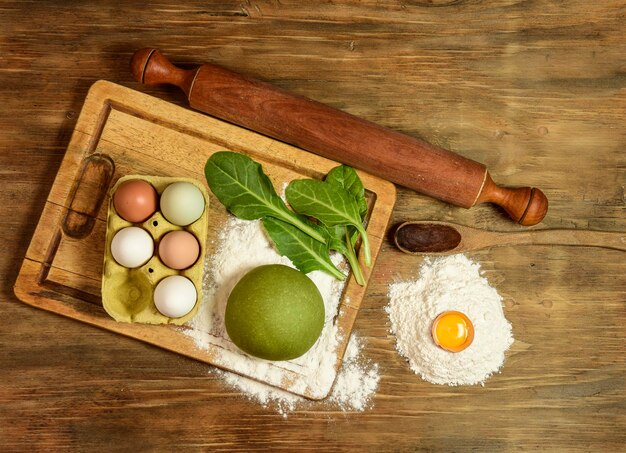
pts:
[449, 283]
[243, 246]
[356, 383]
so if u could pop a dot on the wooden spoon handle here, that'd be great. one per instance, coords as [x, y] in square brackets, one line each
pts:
[586, 238]
[340, 136]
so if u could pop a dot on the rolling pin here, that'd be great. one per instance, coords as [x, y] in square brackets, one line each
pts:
[339, 136]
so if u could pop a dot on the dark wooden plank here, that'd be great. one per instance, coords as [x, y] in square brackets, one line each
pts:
[535, 90]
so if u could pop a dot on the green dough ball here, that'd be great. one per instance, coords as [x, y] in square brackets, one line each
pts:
[275, 312]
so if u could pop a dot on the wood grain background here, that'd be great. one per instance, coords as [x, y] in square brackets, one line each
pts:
[534, 89]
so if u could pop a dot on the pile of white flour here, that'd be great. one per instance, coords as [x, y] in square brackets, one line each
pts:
[243, 246]
[449, 283]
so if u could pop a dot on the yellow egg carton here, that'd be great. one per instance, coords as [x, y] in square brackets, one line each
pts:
[127, 294]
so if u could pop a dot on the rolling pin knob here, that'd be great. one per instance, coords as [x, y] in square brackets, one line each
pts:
[149, 66]
[526, 205]
[536, 209]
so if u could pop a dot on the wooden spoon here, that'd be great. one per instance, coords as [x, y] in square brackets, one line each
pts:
[442, 238]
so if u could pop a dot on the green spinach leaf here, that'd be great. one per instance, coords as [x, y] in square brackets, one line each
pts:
[344, 237]
[240, 184]
[346, 177]
[328, 203]
[305, 253]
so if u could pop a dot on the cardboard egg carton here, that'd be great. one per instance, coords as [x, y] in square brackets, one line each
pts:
[127, 294]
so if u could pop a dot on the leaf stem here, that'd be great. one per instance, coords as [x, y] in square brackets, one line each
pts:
[295, 221]
[354, 261]
[332, 270]
[366, 245]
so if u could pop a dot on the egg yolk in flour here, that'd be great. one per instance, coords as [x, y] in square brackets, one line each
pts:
[453, 331]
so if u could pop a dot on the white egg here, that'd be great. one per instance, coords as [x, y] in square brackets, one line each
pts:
[175, 296]
[182, 203]
[132, 247]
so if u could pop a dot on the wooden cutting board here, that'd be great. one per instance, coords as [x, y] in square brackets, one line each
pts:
[121, 132]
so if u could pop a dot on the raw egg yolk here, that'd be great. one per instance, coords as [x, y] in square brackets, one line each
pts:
[453, 331]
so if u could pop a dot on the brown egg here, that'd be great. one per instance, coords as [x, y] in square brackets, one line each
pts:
[135, 200]
[179, 249]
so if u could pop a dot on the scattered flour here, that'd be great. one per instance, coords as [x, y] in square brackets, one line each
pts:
[449, 283]
[353, 390]
[242, 246]
[357, 381]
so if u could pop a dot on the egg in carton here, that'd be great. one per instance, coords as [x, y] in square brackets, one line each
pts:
[155, 248]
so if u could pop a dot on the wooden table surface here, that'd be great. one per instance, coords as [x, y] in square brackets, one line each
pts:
[534, 89]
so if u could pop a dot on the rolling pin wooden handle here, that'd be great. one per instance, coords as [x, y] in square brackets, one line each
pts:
[149, 66]
[525, 205]
[339, 136]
